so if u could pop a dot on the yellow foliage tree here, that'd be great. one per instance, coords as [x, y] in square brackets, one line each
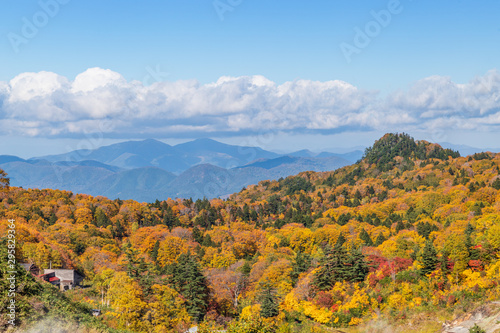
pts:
[170, 249]
[125, 295]
[168, 313]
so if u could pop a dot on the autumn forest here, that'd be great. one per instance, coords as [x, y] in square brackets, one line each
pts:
[411, 229]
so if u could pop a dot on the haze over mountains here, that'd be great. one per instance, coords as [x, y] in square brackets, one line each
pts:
[148, 170]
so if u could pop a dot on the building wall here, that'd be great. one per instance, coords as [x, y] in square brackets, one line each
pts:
[67, 274]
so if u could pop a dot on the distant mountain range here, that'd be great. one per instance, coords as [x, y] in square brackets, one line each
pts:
[468, 150]
[176, 159]
[148, 170]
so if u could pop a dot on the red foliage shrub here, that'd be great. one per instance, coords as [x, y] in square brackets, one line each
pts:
[476, 265]
[388, 268]
[323, 300]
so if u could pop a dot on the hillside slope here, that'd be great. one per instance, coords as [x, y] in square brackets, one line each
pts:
[38, 304]
[407, 242]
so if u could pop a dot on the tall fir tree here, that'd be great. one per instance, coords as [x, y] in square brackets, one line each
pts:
[246, 268]
[443, 262]
[154, 251]
[300, 264]
[269, 303]
[380, 239]
[357, 268]
[52, 219]
[473, 253]
[138, 269]
[340, 241]
[429, 258]
[169, 217]
[339, 265]
[187, 278]
[101, 219]
[197, 235]
[365, 237]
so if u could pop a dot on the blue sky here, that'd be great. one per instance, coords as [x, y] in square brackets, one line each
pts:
[454, 42]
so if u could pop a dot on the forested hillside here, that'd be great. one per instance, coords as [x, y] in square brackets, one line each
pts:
[410, 236]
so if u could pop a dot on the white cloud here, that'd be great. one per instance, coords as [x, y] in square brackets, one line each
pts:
[439, 96]
[102, 101]
[28, 86]
[94, 78]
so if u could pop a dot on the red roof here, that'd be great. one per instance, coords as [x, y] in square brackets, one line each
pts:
[53, 279]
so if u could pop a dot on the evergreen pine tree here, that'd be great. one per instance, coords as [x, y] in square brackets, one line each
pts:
[246, 268]
[187, 278]
[52, 219]
[197, 235]
[138, 269]
[473, 253]
[208, 242]
[443, 262]
[169, 218]
[324, 278]
[301, 264]
[429, 258]
[200, 251]
[380, 239]
[496, 184]
[400, 226]
[357, 268]
[365, 237]
[154, 251]
[120, 230]
[101, 219]
[269, 304]
[339, 265]
[340, 241]
[333, 266]
[135, 264]
[415, 252]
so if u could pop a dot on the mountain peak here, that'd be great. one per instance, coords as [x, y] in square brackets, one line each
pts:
[205, 140]
[201, 144]
[403, 145]
[303, 153]
[152, 141]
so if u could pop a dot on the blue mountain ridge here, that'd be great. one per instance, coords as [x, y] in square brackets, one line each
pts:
[150, 169]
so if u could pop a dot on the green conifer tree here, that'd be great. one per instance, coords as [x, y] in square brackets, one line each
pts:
[473, 253]
[429, 258]
[300, 264]
[246, 268]
[357, 268]
[154, 251]
[380, 239]
[269, 304]
[187, 278]
[365, 237]
[52, 219]
[197, 235]
[101, 219]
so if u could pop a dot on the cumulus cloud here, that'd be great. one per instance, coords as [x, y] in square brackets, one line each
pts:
[102, 101]
[439, 96]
